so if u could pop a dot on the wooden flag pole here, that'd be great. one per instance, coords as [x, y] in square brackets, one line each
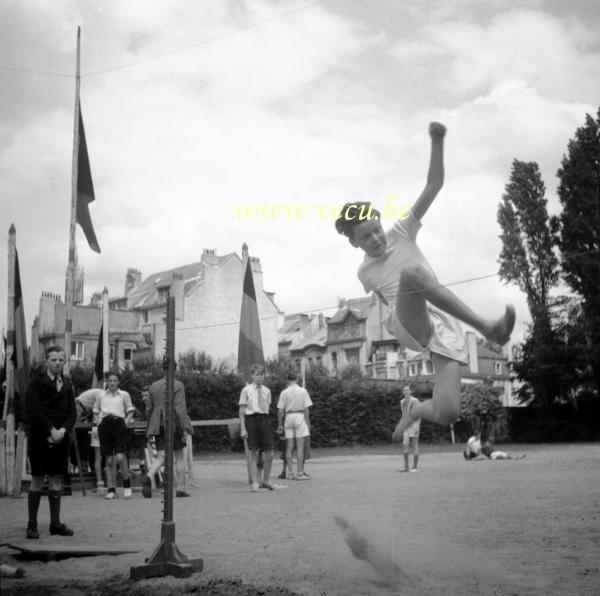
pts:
[8, 416]
[167, 559]
[70, 282]
[105, 336]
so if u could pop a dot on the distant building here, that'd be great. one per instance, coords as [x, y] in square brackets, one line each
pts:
[208, 299]
[356, 335]
[48, 329]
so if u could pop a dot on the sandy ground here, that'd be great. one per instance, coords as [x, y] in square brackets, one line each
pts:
[507, 527]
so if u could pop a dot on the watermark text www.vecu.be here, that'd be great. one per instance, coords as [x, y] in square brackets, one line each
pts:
[267, 211]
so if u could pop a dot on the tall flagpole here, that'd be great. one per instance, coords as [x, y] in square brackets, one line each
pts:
[8, 463]
[70, 282]
[106, 363]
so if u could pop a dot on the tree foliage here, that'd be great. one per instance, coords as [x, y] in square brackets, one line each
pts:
[527, 257]
[481, 405]
[528, 260]
[579, 230]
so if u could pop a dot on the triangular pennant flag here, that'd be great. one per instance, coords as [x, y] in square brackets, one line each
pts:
[20, 356]
[85, 189]
[98, 380]
[250, 349]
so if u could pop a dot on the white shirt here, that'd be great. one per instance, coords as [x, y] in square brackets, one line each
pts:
[249, 398]
[294, 399]
[473, 445]
[115, 404]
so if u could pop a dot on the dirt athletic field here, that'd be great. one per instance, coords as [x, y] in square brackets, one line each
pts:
[485, 527]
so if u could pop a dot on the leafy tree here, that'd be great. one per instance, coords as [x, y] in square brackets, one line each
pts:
[579, 230]
[528, 260]
[481, 405]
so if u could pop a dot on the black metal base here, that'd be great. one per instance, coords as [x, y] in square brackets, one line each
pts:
[167, 559]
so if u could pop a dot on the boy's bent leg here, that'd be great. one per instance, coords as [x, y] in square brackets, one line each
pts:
[444, 406]
[418, 281]
[411, 306]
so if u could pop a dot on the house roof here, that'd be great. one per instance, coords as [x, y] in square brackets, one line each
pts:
[145, 295]
[358, 307]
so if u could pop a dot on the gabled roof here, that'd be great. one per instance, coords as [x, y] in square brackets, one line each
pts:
[292, 326]
[359, 308]
[192, 275]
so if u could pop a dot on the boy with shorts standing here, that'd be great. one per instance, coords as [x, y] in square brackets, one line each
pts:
[293, 407]
[85, 407]
[113, 413]
[410, 437]
[254, 403]
[422, 314]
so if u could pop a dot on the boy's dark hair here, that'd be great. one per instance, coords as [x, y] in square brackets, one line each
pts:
[257, 368]
[292, 375]
[353, 214]
[52, 349]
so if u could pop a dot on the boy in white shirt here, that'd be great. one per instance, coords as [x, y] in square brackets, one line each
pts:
[422, 313]
[113, 413]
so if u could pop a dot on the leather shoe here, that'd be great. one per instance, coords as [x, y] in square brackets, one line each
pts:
[61, 530]
[182, 493]
[32, 532]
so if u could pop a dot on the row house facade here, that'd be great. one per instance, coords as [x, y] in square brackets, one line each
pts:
[356, 336]
[208, 299]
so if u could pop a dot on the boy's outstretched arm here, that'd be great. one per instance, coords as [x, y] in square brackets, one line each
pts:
[435, 176]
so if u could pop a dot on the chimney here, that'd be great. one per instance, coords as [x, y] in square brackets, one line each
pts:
[176, 291]
[96, 300]
[473, 354]
[209, 256]
[133, 279]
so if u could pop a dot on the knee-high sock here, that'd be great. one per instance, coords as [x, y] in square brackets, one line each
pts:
[54, 501]
[33, 504]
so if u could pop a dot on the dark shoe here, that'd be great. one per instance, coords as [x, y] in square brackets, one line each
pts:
[32, 532]
[182, 493]
[147, 487]
[60, 530]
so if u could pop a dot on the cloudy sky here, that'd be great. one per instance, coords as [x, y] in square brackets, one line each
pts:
[194, 110]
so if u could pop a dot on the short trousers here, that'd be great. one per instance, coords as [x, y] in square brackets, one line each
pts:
[260, 434]
[469, 454]
[95, 440]
[407, 436]
[295, 425]
[113, 435]
[45, 458]
[179, 441]
[447, 337]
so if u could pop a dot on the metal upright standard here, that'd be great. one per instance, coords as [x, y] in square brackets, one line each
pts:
[167, 559]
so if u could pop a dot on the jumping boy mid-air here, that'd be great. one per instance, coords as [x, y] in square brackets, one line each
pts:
[422, 313]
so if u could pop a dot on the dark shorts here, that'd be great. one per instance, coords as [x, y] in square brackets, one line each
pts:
[260, 434]
[113, 435]
[47, 458]
[178, 442]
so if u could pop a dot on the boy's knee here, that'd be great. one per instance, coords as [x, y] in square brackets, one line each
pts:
[447, 414]
[413, 275]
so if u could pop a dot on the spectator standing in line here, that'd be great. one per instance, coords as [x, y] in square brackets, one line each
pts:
[182, 426]
[50, 411]
[254, 403]
[410, 437]
[294, 421]
[85, 408]
[113, 413]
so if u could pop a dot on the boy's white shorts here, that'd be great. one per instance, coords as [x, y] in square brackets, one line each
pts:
[447, 337]
[295, 426]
